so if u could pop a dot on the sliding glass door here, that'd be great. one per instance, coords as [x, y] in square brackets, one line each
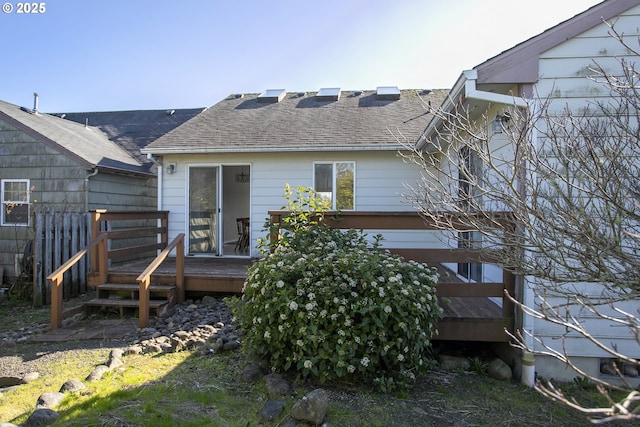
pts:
[203, 210]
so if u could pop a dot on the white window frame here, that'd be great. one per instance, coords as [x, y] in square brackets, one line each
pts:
[334, 196]
[5, 203]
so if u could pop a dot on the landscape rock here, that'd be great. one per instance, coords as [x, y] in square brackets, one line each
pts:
[277, 386]
[97, 373]
[252, 372]
[272, 409]
[31, 376]
[453, 363]
[41, 417]
[499, 370]
[49, 400]
[312, 407]
[72, 386]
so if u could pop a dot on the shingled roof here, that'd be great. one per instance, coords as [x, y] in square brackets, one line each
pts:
[87, 145]
[133, 130]
[357, 120]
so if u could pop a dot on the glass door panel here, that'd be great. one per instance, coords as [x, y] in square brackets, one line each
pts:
[203, 210]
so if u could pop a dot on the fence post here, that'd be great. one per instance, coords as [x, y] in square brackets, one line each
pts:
[37, 262]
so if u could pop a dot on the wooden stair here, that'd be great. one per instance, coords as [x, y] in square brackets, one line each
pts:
[126, 295]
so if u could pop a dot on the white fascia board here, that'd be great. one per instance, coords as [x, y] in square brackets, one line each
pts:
[465, 88]
[394, 147]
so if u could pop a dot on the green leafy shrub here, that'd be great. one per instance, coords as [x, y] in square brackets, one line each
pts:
[329, 304]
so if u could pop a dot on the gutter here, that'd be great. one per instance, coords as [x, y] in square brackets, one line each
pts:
[466, 88]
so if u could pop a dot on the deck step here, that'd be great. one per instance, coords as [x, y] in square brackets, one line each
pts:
[134, 287]
[123, 302]
[160, 306]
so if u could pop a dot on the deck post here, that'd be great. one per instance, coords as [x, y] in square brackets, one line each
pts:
[95, 230]
[102, 260]
[144, 302]
[56, 302]
[274, 231]
[180, 270]
[164, 229]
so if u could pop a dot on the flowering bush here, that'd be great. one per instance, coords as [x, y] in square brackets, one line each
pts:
[330, 305]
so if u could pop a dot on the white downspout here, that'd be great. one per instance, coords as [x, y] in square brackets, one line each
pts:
[86, 188]
[160, 179]
[528, 376]
[467, 81]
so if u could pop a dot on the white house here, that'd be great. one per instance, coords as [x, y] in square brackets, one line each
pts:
[233, 160]
[554, 65]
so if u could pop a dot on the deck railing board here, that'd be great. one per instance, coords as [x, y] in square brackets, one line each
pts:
[490, 320]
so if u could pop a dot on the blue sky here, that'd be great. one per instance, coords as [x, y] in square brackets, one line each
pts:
[90, 55]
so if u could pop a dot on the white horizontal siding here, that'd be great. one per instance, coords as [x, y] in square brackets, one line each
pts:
[564, 76]
[380, 185]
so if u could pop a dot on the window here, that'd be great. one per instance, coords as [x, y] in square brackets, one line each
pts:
[335, 182]
[469, 176]
[15, 202]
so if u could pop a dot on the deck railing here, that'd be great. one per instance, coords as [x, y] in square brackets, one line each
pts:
[130, 234]
[450, 329]
[116, 235]
[97, 246]
[144, 279]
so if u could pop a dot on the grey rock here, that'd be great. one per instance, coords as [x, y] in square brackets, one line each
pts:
[133, 349]
[97, 373]
[116, 353]
[252, 372]
[152, 348]
[31, 376]
[499, 370]
[209, 300]
[49, 400]
[218, 345]
[72, 386]
[231, 345]
[41, 417]
[312, 407]
[277, 386]
[272, 409]
[453, 363]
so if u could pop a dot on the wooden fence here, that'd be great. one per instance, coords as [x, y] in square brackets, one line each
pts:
[59, 235]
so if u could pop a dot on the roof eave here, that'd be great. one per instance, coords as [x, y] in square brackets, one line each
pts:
[209, 150]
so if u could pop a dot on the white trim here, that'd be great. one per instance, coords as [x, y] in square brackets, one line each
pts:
[20, 202]
[334, 198]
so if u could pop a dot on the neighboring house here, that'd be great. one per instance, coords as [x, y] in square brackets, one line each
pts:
[135, 129]
[555, 65]
[48, 163]
[234, 160]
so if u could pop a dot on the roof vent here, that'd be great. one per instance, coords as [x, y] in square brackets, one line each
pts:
[271, 96]
[388, 93]
[328, 94]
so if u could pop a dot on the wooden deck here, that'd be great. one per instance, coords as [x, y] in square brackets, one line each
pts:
[470, 311]
[480, 316]
[201, 274]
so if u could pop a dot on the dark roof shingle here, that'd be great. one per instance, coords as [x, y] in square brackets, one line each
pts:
[301, 122]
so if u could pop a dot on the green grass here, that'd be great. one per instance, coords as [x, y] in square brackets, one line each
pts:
[195, 388]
